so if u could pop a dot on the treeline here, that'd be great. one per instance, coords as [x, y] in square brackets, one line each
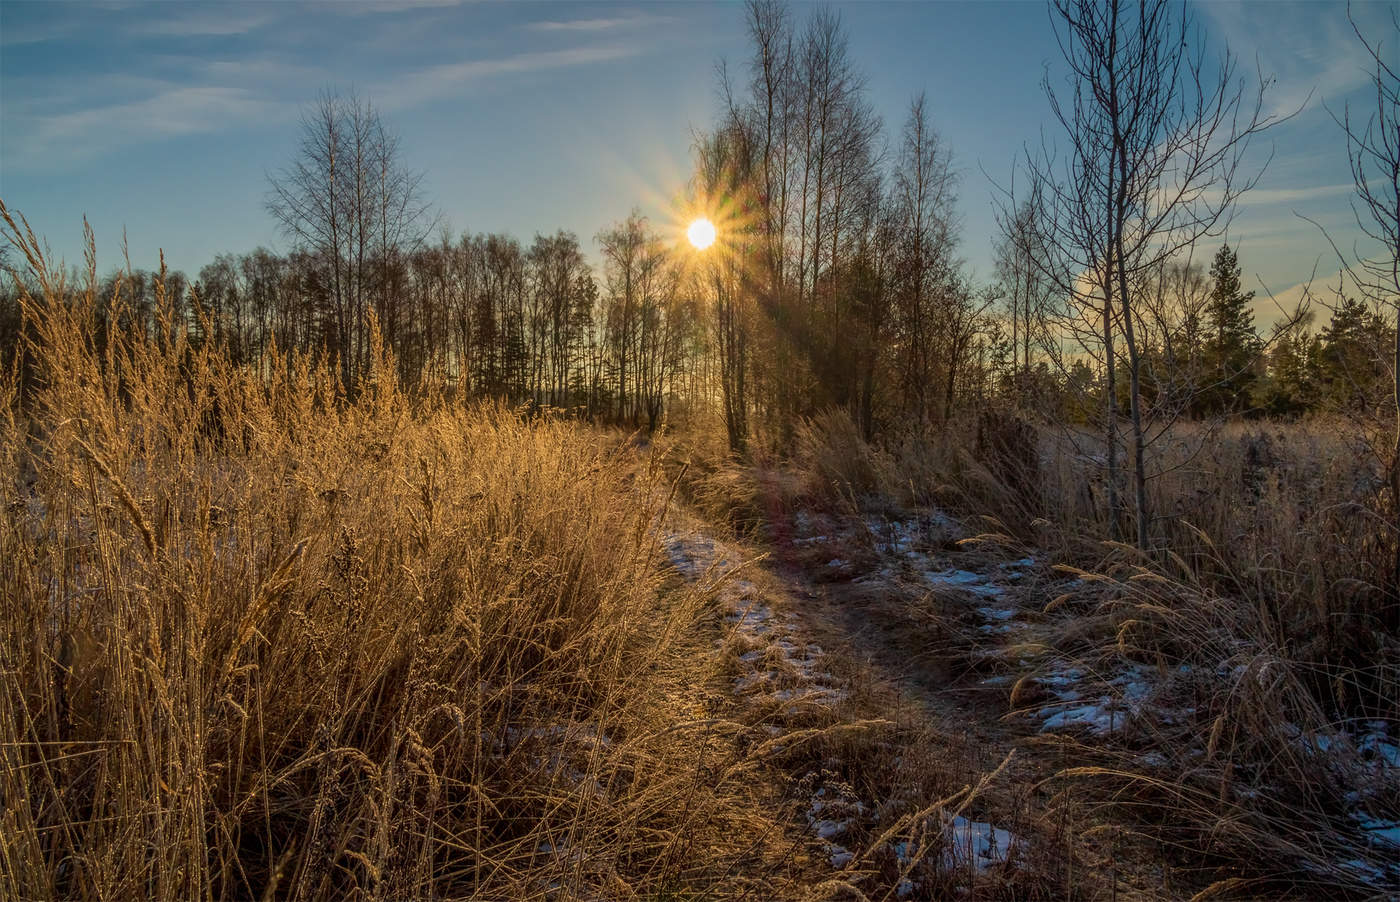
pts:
[835, 279]
[492, 317]
[483, 315]
[1210, 359]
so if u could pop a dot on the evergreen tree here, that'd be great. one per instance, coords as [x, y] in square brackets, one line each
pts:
[1351, 365]
[1230, 341]
[1291, 383]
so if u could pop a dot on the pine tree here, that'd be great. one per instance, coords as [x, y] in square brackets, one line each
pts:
[1352, 357]
[1292, 381]
[1230, 342]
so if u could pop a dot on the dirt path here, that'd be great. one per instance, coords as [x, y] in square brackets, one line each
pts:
[878, 656]
[1108, 734]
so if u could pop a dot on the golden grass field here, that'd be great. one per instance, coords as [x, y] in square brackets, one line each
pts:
[261, 640]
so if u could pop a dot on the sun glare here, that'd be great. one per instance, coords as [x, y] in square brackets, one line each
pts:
[701, 233]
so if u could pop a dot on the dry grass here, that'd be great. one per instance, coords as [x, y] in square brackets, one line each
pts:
[1237, 759]
[261, 641]
[1266, 619]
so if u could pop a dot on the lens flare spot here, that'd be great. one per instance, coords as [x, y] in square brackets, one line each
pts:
[701, 233]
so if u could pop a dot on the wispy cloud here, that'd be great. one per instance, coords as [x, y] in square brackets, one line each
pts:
[436, 82]
[180, 21]
[175, 111]
[20, 34]
[596, 25]
[1320, 294]
[1266, 196]
[362, 7]
[225, 95]
[1309, 49]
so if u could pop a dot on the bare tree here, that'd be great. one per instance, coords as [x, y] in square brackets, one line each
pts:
[623, 248]
[922, 202]
[348, 201]
[1158, 134]
[1028, 294]
[725, 167]
[1373, 147]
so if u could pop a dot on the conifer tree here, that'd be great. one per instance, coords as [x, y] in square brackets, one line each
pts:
[1231, 343]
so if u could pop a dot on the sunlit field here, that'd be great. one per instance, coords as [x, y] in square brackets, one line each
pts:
[826, 525]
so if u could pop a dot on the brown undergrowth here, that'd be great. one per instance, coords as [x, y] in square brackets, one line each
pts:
[261, 640]
[1230, 697]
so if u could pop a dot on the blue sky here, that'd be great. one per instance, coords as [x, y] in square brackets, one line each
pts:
[164, 118]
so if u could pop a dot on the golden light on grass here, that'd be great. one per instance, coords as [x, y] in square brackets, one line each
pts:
[701, 233]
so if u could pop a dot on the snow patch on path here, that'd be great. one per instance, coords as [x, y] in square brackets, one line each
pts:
[779, 667]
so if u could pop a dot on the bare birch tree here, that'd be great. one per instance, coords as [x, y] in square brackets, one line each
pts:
[1373, 147]
[347, 200]
[1158, 133]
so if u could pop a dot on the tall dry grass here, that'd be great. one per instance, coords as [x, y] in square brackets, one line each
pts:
[1267, 613]
[261, 641]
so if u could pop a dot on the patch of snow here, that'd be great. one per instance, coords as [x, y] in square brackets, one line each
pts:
[830, 815]
[773, 655]
[1108, 714]
[753, 619]
[1375, 746]
[1381, 832]
[754, 680]
[1099, 718]
[691, 555]
[1061, 680]
[964, 580]
[1365, 869]
[893, 537]
[975, 844]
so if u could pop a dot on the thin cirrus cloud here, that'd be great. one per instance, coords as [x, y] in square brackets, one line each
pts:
[437, 82]
[596, 25]
[241, 93]
[220, 21]
[1309, 49]
[204, 20]
[173, 111]
[1266, 196]
[19, 35]
[363, 7]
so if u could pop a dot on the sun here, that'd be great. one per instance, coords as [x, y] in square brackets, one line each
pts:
[701, 233]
